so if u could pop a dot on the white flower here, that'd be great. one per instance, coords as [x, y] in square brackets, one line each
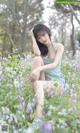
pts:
[62, 112]
[16, 83]
[29, 130]
[49, 113]
[52, 107]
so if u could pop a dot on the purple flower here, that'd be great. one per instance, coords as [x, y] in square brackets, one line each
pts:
[20, 106]
[21, 89]
[76, 68]
[73, 96]
[47, 128]
[5, 78]
[29, 109]
[0, 73]
[0, 83]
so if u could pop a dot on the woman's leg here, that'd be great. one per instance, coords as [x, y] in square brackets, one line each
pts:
[38, 61]
[41, 87]
[38, 88]
[39, 93]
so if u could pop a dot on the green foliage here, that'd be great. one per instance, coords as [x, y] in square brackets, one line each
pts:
[78, 37]
[17, 108]
[17, 18]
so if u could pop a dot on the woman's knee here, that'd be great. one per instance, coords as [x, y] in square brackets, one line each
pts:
[38, 59]
[37, 84]
[42, 83]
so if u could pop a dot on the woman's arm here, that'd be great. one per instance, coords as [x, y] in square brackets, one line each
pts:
[59, 53]
[58, 56]
[35, 46]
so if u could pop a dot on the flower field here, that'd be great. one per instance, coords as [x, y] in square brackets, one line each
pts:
[17, 101]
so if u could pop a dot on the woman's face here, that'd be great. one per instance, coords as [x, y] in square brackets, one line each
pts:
[44, 38]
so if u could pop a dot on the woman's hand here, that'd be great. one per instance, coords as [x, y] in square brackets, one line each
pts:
[35, 74]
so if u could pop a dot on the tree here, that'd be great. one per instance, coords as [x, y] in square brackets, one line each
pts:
[71, 10]
[20, 16]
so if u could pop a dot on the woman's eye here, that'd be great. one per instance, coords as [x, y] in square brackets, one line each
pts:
[39, 38]
[43, 34]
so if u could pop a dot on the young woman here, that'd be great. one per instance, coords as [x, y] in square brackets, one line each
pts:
[46, 68]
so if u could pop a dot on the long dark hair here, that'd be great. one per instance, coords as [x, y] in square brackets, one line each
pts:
[37, 29]
[43, 48]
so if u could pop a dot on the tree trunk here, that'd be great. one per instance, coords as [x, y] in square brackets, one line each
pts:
[72, 10]
[72, 36]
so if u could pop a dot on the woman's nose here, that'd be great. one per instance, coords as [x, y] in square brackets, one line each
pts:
[43, 39]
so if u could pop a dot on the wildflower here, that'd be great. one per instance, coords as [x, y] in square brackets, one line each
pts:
[49, 113]
[16, 83]
[28, 130]
[78, 68]
[29, 108]
[73, 96]
[21, 88]
[0, 73]
[47, 128]
[64, 125]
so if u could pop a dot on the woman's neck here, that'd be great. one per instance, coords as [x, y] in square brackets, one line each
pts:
[51, 53]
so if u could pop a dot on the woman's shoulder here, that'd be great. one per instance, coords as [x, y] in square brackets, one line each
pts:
[56, 45]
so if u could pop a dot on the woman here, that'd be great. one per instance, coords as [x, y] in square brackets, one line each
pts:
[46, 74]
